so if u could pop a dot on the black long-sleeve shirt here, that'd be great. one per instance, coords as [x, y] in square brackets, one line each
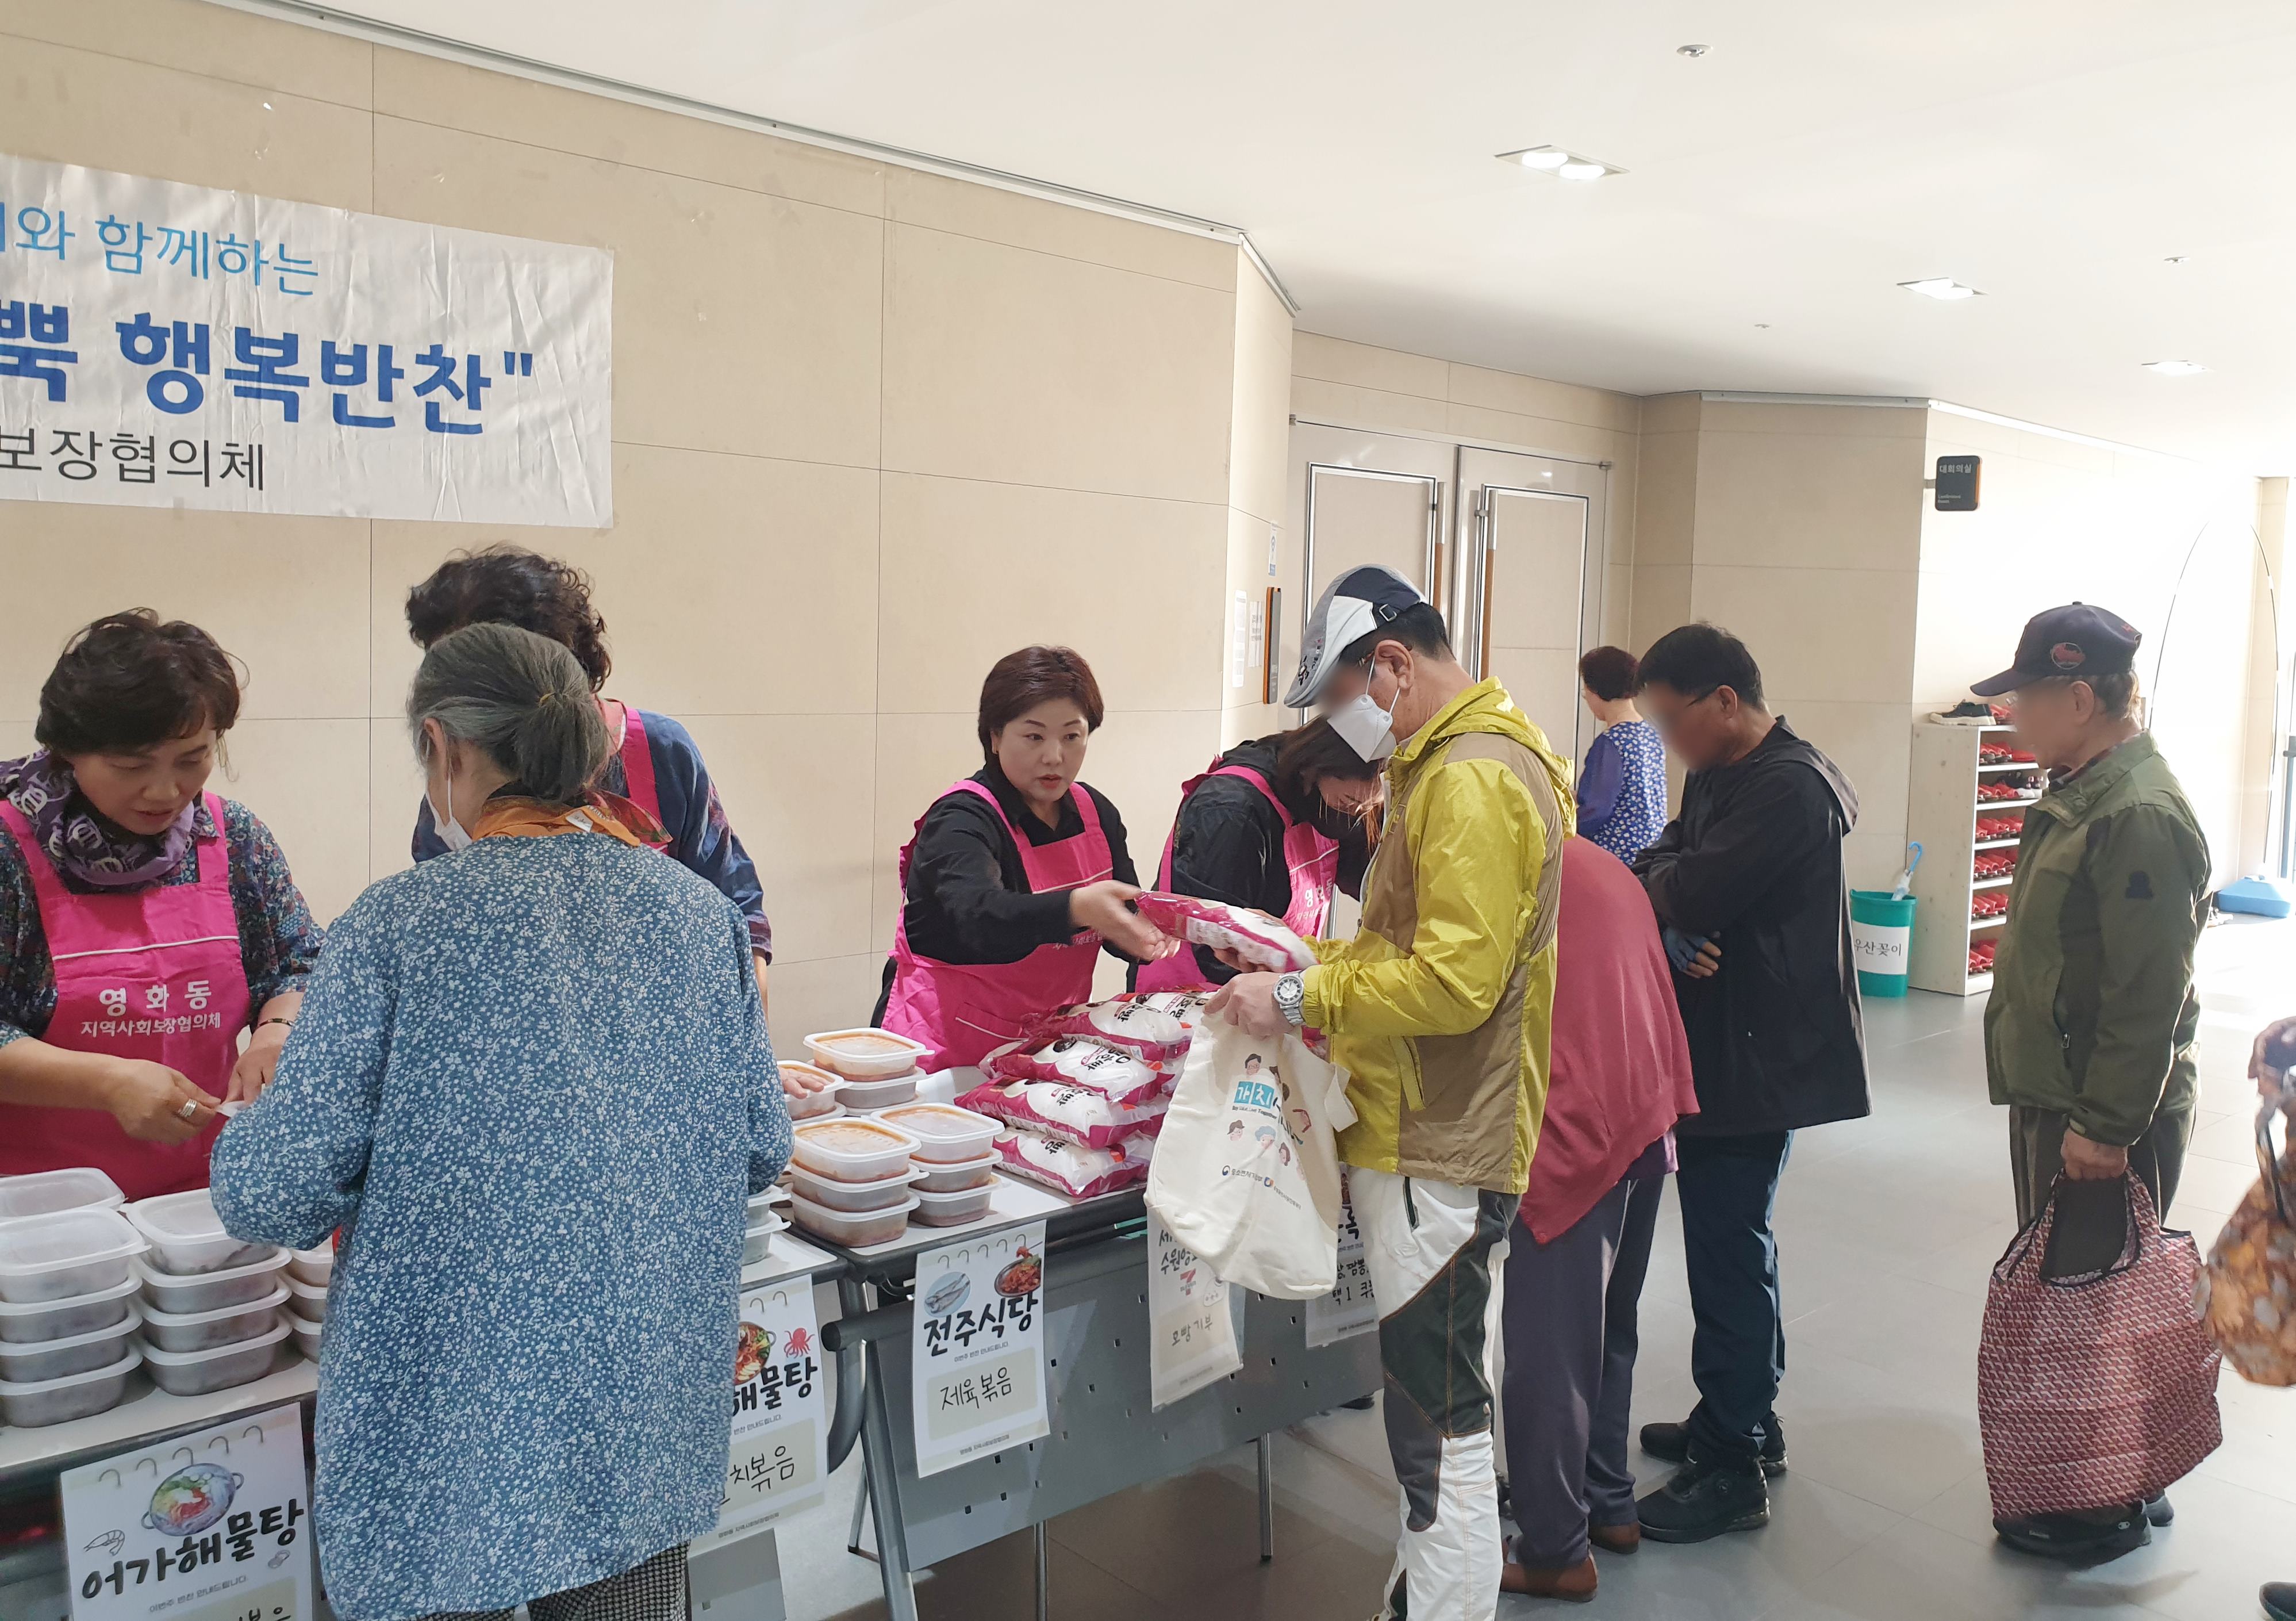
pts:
[967, 899]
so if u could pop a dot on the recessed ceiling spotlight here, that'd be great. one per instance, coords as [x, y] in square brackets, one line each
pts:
[2176, 368]
[1561, 161]
[1541, 157]
[1692, 51]
[1582, 168]
[1939, 287]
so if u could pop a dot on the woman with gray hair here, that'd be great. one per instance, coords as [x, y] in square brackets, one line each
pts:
[532, 1088]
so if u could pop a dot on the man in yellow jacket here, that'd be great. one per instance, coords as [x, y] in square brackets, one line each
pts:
[1440, 1010]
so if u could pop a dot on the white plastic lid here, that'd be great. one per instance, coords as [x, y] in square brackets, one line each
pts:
[69, 1237]
[942, 1167]
[45, 1192]
[186, 1359]
[768, 1221]
[178, 1218]
[46, 1308]
[940, 1121]
[316, 1292]
[982, 1191]
[823, 1137]
[826, 1217]
[165, 1281]
[823, 1080]
[185, 1320]
[41, 1347]
[900, 1178]
[126, 1365]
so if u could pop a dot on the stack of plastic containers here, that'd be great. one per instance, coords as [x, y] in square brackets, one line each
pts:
[821, 1103]
[309, 1273]
[68, 1317]
[764, 1223]
[210, 1302]
[851, 1180]
[879, 1068]
[955, 1160]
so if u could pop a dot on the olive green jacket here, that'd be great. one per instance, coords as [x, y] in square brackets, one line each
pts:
[2093, 1013]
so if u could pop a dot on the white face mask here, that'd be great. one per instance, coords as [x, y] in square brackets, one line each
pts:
[451, 833]
[1364, 726]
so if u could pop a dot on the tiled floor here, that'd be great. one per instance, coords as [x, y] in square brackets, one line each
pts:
[1889, 1227]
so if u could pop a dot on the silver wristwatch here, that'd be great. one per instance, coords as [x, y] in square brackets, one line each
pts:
[1291, 994]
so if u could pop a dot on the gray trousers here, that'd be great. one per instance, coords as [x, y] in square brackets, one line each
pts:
[1571, 1322]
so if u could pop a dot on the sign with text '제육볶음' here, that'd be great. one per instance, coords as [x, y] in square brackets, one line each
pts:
[167, 345]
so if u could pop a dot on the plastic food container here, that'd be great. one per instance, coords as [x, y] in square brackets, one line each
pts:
[310, 1299]
[757, 1241]
[211, 1291]
[955, 1176]
[831, 1193]
[867, 1055]
[63, 1319]
[863, 1097]
[45, 1192]
[854, 1229]
[77, 1395]
[312, 1265]
[852, 1150]
[820, 1105]
[197, 1373]
[187, 1236]
[945, 1134]
[60, 1359]
[307, 1333]
[205, 1331]
[74, 1252]
[954, 1209]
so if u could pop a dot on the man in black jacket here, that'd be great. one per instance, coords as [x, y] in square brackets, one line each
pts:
[1749, 886]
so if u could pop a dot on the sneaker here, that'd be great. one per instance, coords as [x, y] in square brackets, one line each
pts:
[2159, 1510]
[1670, 1444]
[1704, 1501]
[2079, 1539]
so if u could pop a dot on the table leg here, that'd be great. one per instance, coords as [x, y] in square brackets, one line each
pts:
[885, 1499]
[1266, 1498]
[1044, 1575]
[860, 1512]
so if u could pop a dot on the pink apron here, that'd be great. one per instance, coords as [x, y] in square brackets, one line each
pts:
[1313, 858]
[637, 769]
[155, 973]
[964, 1011]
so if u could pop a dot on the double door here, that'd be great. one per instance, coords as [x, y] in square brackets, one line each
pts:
[1507, 545]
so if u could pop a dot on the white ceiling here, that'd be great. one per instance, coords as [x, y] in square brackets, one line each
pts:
[2052, 153]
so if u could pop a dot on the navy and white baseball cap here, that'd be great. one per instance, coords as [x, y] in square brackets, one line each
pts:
[1352, 606]
[2075, 641]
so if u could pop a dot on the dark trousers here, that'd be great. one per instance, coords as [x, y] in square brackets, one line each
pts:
[1570, 1321]
[1728, 1187]
[2037, 1154]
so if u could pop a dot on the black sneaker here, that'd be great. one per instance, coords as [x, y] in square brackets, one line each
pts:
[2279, 1600]
[2077, 1539]
[1706, 1500]
[1670, 1444]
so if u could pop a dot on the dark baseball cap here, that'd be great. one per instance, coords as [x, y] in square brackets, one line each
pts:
[1352, 606]
[2074, 642]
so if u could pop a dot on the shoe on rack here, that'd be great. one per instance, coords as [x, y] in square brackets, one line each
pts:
[1575, 1582]
[2078, 1539]
[1616, 1539]
[2159, 1510]
[2279, 1600]
[1706, 1500]
[1670, 1444]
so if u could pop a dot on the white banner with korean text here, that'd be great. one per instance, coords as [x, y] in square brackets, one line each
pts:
[167, 345]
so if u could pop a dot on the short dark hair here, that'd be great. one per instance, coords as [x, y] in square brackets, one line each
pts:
[2116, 693]
[130, 681]
[1696, 659]
[1307, 757]
[1019, 681]
[1609, 674]
[1418, 627]
[508, 585]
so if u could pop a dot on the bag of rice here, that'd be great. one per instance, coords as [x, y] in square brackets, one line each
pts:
[1077, 1113]
[1121, 1077]
[1254, 936]
[1071, 1168]
[1153, 1025]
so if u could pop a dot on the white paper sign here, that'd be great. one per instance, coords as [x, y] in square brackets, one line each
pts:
[1192, 1340]
[214, 1526]
[1880, 946]
[1349, 1310]
[1239, 641]
[977, 1350]
[166, 345]
[779, 1464]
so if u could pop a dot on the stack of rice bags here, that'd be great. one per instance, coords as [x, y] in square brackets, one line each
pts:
[1084, 1091]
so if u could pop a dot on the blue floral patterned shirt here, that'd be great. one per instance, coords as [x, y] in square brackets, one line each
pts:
[1622, 789]
[531, 1084]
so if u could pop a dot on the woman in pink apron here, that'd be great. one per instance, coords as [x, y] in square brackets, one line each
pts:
[145, 925]
[1017, 877]
[1275, 824]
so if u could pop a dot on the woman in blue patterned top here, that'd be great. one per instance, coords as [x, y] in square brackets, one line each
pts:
[531, 1085]
[1622, 785]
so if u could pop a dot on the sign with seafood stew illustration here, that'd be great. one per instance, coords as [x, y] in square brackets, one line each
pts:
[212, 1526]
[778, 1466]
[977, 1348]
[1192, 1334]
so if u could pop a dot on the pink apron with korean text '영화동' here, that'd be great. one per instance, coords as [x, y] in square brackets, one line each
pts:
[1312, 856]
[153, 973]
[964, 1011]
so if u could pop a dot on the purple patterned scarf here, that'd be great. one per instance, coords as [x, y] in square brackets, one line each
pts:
[79, 842]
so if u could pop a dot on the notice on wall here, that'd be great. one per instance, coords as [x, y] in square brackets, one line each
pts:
[1191, 1338]
[166, 345]
[212, 1526]
[779, 1463]
[1349, 1310]
[977, 1348]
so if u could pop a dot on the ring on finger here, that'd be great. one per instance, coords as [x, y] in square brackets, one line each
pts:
[190, 1111]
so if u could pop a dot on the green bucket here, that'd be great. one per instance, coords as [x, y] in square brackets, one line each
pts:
[1881, 937]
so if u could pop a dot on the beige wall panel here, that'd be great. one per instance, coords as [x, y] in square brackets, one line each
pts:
[828, 993]
[1511, 392]
[72, 106]
[1139, 761]
[1801, 500]
[939, 203]
[1842, 635]
[1260, 425]
[1361, 366]
[308, 780]
[918, 757]
[287, 595]
[1570, 440]
[973, 571]
[431, 90]
[1025, 368]
[1618, 605]
[394, 796]
[1665, 497]
[1662, 602]
[742, 323]
[1671, 413]
[1623, 498]
[210, 40]
[1835, 421]
[1544, 683]
[1350, 407]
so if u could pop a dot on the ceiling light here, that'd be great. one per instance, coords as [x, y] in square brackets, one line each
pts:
[2176, 368]
[1561, 161]
[1542, 157]
[1692, 51]
[1583, 168]
[1939, 287]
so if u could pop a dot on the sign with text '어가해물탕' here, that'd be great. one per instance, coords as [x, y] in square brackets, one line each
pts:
[172, 346]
